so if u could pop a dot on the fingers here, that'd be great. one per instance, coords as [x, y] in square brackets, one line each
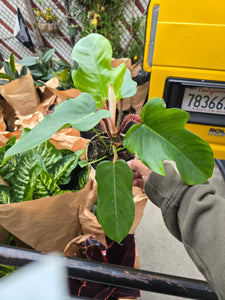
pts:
[138, 182]
[141, 172]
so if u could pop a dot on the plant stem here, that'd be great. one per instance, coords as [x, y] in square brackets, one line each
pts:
[100, 138]
[115, 156]
[99, 159]
[120, 114]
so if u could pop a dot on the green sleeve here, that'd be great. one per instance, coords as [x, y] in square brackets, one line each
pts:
[196, 216]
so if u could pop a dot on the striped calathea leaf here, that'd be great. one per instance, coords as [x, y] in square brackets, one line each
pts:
[40, 172]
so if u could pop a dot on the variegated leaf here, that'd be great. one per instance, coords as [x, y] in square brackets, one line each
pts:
[30, 186]
[49, 153]
[5, 194]
[21, 176]
[45, 186]
[61, 170]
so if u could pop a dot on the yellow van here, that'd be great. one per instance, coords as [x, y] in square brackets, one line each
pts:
[185, 53]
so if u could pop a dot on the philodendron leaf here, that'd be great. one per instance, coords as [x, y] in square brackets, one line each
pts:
[115, 205]
[79, 112]
[93, 53]
[162, 136]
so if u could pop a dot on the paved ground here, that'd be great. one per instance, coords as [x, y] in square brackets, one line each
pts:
[160, 252]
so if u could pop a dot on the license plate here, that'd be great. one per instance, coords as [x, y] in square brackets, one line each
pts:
[204, 100]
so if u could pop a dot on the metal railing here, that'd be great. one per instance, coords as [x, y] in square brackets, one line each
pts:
[115, 275]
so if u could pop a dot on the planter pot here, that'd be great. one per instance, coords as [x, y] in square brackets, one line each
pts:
[48, 27]
[72, 30]
[96, 149]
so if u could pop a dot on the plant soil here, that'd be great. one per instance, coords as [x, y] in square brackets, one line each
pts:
[96, 149]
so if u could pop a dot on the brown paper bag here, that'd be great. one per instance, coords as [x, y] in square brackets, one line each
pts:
[90, 225]
[21, 94]
[7, 113]
[46, 224]
[49, 89]
[115, 62]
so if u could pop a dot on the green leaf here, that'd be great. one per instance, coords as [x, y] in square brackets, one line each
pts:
[61, 171]
[129, 86]
[34, 172]
[17, 74]
[7, 69]
[48, 55]
[5, 194]
[21, 175]
[83, 163]
[5, 270]
[64, 75]
[29, 61]
[79, 112]
[79, 178]
[23, 71]
[63, 63]
[7, 169]
[162, 136]
[45, 186]
[2, 82]
[12, 64]
[6, 76]
[115, 205]
[40, 185]
[93, 53]
[49, 154]
[37, 71]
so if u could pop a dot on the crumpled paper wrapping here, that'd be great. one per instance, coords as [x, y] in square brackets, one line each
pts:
[90, 226]
[60, 222]
[21, 95]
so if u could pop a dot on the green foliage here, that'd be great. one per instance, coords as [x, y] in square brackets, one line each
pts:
[135, 47]
[116, 214]
[165, 138]
[5, 270]
[41, 172]
[10, 71]
[159, 136]
[65, 79]
[93, 54]
[42, 67]
[80, 113]
[103, 17]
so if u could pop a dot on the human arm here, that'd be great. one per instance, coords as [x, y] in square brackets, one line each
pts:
[196, 216]
[193, 214]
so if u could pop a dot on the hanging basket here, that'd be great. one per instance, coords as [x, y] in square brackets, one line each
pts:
[48, 27]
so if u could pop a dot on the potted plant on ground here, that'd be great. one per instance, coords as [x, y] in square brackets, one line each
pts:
[157, 135]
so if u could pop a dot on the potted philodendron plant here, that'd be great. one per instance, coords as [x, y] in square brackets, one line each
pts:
[157, 135]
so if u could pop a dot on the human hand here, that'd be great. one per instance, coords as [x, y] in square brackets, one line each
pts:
[141, 172]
